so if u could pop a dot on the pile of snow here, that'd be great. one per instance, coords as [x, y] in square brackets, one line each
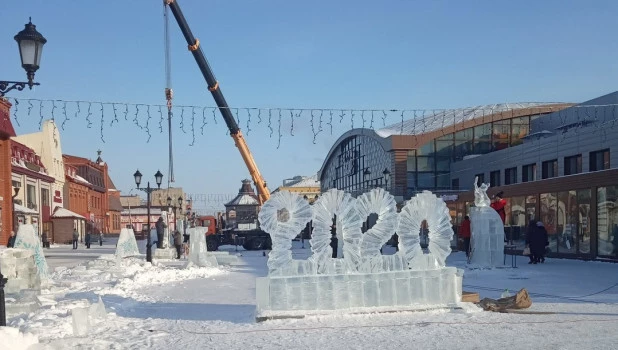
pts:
[12, 338]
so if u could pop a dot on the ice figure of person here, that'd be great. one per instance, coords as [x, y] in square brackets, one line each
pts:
[198, 254]
[166, 232]
[487, 241]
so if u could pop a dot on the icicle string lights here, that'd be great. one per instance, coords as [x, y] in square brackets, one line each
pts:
[400, 121]
[15, 112]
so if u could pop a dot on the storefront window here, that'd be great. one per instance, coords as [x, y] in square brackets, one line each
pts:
[607, 221]
[583, 203]
[573, 222]
[567, 222]
[516, 231]
[531, 207]
[548, 218]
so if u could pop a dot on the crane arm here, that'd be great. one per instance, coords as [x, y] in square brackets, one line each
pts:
[215, 90]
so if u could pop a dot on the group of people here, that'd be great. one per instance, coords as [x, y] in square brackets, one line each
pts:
[536, 238]
[87, 238]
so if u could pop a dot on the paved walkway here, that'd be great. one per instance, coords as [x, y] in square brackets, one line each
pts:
[64, 254]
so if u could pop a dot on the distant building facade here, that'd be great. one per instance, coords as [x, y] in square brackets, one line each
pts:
[242, 211]
[33, 202]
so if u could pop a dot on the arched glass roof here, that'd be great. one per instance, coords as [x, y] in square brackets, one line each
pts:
[432, 120]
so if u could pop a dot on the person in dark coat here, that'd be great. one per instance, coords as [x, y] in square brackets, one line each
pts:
[45, 240]
[465, 233]
[529, 232]
[160, 226]
[177, 243]
[538, 241]
[11, 242]
[88, 237]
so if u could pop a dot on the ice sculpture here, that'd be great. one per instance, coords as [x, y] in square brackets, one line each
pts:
[18, 266]
[425, 206]
[362, 278]
[348, 231]
[198, 254]
[28, 239]
[487, 239]
[127, 245]
[283, 216]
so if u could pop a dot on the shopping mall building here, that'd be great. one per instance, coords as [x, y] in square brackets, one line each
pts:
[555, 162]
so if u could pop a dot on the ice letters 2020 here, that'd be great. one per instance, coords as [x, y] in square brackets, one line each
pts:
[363, 277]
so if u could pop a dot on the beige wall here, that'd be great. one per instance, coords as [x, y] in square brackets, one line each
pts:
[46, 143]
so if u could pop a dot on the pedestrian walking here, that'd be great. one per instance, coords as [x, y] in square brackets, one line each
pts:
[177, 243]
[45, 240]
[88, 237]
[75, 238]
[11, 242]
[465, 234]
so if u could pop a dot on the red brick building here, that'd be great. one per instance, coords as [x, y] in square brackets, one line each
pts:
[102, 199]
[6, 188]
[97, 199]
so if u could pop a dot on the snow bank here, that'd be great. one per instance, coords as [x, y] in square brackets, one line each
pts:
[12, 338]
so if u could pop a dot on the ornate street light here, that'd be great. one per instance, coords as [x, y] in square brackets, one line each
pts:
[148, 190]
[387, 177]
[30, 44]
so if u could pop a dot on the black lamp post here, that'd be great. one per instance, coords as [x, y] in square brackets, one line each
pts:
[148, 190]
[366, 175]
[387, 177]
[30, 44]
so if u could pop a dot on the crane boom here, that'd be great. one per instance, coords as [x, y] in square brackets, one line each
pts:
[215, 90]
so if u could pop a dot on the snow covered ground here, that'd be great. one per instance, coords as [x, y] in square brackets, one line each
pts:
[165, 307]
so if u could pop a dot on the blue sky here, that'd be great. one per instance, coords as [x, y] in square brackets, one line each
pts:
[299, 54]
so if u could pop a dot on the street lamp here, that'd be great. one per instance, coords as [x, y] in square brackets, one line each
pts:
[148, 190]
[366, 175]
[387, 176]
[30, 44]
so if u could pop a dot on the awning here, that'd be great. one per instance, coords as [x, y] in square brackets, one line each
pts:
[24, 210]
[62, 213]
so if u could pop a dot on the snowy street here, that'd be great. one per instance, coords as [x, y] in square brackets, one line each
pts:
[164, 307]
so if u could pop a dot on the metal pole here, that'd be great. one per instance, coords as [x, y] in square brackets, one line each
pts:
[148, 241]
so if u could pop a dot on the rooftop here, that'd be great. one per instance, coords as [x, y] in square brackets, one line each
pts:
[428, 121]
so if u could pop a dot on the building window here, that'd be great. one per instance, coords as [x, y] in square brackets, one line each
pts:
[607, 221]
[31, 196]
[494, 178]
[573, 165]
[528, 172]
[549, 169]
[44, 197]
[510, 176]
[599, 160]
[480, 178]
[455, 184]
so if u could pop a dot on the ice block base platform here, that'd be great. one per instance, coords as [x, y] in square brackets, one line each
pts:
[408, 290]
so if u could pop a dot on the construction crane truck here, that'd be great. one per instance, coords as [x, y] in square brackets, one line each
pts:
[252, 239]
